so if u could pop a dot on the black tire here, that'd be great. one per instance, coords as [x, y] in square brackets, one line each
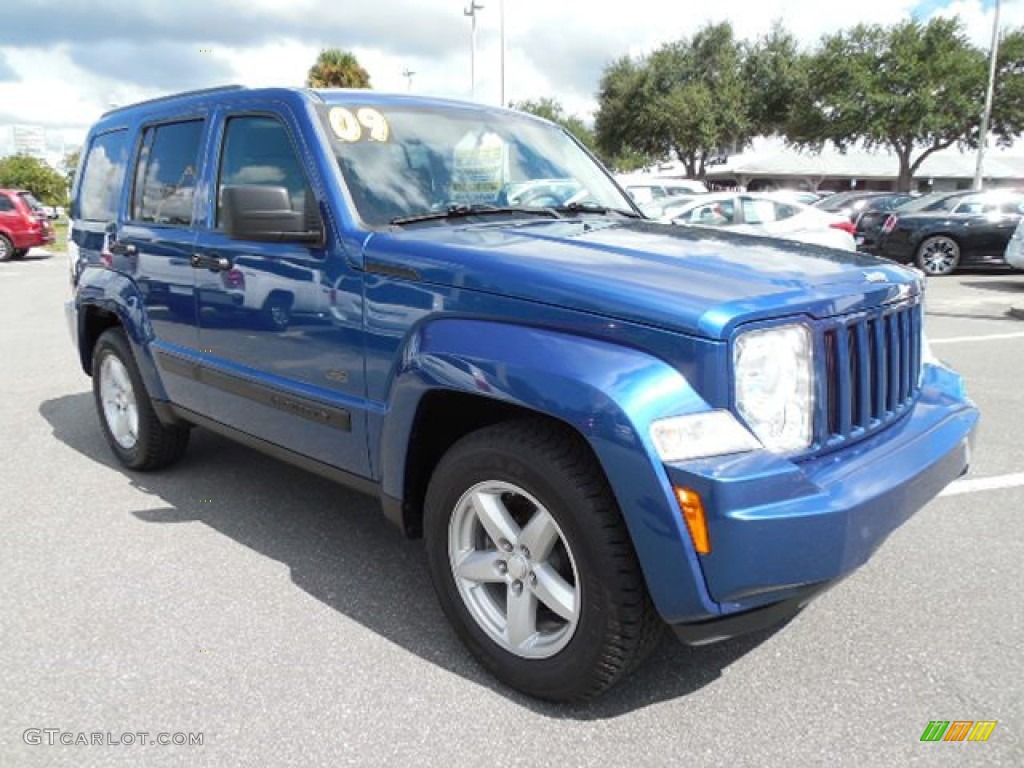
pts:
[6, 248]
[277, 312]
[617, 624]
[156, 445]
[938, 255]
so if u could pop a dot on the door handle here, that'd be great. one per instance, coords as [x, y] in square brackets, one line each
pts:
[118, 248]
[212, 263]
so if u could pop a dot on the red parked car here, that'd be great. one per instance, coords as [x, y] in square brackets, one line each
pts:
[23, 224]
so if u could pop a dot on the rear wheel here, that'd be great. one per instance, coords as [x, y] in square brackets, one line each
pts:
[938, 255]
[135, 434]
[277, 311]
[6, 249]
[532, 562]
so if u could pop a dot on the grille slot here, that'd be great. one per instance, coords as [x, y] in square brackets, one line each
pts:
[872, 371]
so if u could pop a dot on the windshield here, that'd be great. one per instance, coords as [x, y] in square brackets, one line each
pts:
[403, 162]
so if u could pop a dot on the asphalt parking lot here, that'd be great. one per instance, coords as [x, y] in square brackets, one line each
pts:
[284, 620]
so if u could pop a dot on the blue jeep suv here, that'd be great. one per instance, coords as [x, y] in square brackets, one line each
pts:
[598, 424]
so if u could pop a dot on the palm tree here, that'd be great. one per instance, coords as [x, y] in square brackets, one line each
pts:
[335, 68]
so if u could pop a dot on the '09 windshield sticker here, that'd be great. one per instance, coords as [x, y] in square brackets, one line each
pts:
[364, 124]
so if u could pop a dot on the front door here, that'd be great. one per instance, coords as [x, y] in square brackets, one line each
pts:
[282, 363]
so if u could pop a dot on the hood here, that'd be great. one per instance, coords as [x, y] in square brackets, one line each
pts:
[699, 282]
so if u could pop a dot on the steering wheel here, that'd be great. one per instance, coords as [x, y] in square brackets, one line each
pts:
[538, 199]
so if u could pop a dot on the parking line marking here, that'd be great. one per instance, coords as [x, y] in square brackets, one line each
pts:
[972, 485]
[992, 337]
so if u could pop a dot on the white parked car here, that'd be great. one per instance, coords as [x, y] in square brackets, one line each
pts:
[646, 189]
[763, 215]
[1015, 248]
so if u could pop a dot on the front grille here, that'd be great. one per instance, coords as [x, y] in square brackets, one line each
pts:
[872, 364]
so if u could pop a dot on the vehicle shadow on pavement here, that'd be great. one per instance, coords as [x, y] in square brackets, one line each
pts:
[342, 551]
[1010, 285]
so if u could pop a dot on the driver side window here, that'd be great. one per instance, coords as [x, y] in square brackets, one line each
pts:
[257, 151]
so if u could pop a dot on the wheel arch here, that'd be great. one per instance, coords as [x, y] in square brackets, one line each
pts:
[460, 375]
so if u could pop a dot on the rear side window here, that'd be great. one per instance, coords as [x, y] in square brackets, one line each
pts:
[257, 151]
[165, 178]
[102, 177]
[5, 204]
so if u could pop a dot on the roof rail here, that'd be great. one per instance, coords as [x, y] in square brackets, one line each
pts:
[170, 97]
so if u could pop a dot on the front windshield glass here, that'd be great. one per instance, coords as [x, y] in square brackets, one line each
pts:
[406, 161]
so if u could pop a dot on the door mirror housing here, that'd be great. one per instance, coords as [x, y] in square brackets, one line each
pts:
[264, 214]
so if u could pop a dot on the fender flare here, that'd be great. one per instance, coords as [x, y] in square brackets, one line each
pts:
[117, 294]
[608, 393]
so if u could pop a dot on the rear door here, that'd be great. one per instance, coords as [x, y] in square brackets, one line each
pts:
[280, 323]
[158, 239]
[10, 222]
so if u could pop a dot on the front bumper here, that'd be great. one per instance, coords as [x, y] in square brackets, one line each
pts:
[780, 529]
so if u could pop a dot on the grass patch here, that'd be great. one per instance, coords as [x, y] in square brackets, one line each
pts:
[60, 228]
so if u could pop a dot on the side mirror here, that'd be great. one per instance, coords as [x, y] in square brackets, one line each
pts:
[265, 214]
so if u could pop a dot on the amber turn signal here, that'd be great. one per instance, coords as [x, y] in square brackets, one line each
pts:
[693, 513]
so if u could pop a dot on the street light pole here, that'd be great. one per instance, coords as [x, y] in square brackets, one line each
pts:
[471, 12]
[501, 10]
[407, 74]
[987, 114]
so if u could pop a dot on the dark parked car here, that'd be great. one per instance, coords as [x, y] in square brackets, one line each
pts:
[963, 228]
[869, 219]
[23, 224]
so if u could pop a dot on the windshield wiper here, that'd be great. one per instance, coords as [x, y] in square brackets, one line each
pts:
[595, 208]
[478, 209]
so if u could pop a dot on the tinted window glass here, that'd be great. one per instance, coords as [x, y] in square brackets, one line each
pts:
[257, 151]
[100, 187]
[6, 204]
[166, 177]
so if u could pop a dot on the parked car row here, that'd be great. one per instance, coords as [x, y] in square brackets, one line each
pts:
[941, 232]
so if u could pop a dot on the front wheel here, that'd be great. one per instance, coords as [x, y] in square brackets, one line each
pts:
[532, 562]
[6, 249]
[938, 255]
[135, 434]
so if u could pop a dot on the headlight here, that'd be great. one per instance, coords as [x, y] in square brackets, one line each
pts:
[774, 371]
[696, 435]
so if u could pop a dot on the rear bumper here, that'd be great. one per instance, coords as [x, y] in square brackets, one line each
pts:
[780, 529]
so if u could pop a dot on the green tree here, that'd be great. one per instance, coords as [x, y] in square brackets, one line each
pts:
[551, 109]
[687, 98]
[335, 68]
[25, 172]
[69, 165]
[1008, 101]
[774, 72]
[912, 88]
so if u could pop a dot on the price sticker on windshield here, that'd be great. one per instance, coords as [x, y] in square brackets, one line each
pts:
[365, 124]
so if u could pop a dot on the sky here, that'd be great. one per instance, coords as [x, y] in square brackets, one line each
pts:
[63, 62]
